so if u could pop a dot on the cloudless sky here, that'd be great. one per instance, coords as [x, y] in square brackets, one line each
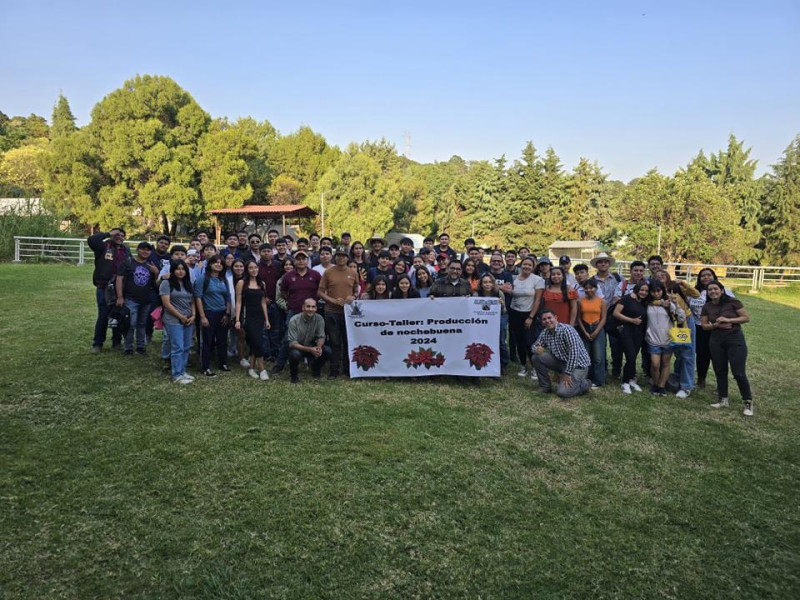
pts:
[631, 84]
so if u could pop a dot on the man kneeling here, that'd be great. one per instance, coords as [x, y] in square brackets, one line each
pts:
[306, 339]
[560, 349]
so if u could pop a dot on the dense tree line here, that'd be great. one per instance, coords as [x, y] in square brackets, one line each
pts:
[153, 160]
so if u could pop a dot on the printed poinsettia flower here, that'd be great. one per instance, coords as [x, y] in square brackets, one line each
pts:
[424, 357]
[478, 355]
[365, 357]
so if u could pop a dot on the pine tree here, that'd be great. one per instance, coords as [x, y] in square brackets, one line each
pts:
[63, 121]
[782, 208]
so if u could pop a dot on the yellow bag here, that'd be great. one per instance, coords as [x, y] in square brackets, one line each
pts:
[680, 336]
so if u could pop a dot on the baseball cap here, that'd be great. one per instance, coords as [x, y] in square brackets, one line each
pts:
[341, 250]
[564, 259]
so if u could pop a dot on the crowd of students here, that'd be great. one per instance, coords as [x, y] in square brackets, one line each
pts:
[282, 301]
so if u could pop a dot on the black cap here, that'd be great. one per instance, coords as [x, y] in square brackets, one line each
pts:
[147, 245]
[564, 259]
[341, 250]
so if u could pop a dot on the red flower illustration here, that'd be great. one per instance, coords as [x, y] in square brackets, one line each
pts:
[365, 357]
[478, 355]
[424, 357]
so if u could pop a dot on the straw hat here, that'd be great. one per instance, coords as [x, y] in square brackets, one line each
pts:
[602, 256]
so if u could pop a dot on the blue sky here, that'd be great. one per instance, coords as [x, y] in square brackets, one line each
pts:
[633, 85]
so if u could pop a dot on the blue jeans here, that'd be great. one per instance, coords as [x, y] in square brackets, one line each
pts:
[139, 314]
[180, 341]
[684, 359]
[597, 352]
[504, 355]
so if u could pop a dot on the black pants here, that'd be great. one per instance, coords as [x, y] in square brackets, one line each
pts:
[215, 338]
[316, 364]
[703, 351]
[729, 347]
[337, 338]
[631, 340]
[615, 343]
[521, 337]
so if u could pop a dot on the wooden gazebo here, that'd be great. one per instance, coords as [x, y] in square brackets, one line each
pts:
[259, 212]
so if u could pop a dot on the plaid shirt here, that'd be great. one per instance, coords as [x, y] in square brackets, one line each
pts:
[565, 344]
[444, 288]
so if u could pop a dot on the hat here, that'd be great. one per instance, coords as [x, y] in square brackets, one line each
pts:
[192, 252]
[441, 256]
[602, 256]
[300, 253]
[376, 239]
[544, 259]
[564, 259]
[341, 250]
[147, 245]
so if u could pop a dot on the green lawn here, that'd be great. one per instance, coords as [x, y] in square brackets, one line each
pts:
[115, 483]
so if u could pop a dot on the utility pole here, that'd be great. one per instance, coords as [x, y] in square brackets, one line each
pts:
[658, 251]
[322, 203]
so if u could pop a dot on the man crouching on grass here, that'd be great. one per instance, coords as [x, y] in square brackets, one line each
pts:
[559, 348]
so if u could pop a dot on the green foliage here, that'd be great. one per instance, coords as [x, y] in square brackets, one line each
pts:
[20, 168]
[304, 156]
[782, 208]
[63, 121]
[27, 221]
[285, 190]
[19, 131]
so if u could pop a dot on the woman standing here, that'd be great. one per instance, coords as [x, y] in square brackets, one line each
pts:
[251, 302]
[233, 275]
[213, 302]
[560, 298]
[722, 317]
[631, 311]
[660, 313]
[403, 289]
[423, 281]
[179, 313]
[682, 294]
[591, 325]
[471, 274]
[523, 313]
[702, 337]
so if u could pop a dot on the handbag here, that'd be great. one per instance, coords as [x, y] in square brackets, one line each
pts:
[156, 314]
[679, 336]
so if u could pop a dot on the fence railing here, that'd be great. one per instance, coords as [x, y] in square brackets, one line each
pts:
[757, 277]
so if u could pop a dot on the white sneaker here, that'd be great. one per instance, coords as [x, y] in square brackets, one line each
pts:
[522, 372]
[183, 380]
[748, 408]
[534, 376]
[634, 386]
[245, 364]
[264, 375]
[626, 388]
[682, 394]
[253, 373]
[187, 376]
[721, 403]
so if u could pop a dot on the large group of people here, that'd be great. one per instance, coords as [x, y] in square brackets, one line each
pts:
[282, 301]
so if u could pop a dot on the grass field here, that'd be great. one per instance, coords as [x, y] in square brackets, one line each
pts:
[115, 483]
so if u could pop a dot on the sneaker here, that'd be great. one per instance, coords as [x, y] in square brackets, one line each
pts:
[654, 389]
[209, 373]
[225, 369]
[333, 376]
[96, 349]
[634, 386]
[523, 372]
[682, 394]
[187, 376]
[244, 363]
[295, 379]
[748, 408]
[264, 375]
[141, 351]
[721, 403]
[534, 376]
[595, 386]
[182, 380]
[275, 370]
[626, 388]
[253, 373]
[661, 392]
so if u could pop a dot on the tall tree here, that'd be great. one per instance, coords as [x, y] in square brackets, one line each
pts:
[782, 209]
[20, 171]
[63, 121]
[304, 156]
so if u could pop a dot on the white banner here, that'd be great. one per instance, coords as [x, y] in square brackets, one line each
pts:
[421, 337]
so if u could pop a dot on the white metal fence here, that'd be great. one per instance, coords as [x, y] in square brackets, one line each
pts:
[76, 250]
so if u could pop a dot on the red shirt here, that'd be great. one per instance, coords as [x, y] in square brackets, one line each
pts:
[269, 273]
[297, 288]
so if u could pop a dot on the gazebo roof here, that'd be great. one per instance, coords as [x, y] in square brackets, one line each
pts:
[262, 210]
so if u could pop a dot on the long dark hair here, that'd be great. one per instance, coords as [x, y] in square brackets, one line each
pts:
[233, 273]
[638, 287]
[398, 295]
[352, 248]
[428, 273]
[373, 295]
[215, 259]
[564, 288]
[248, 278]
[699, 286]
[495, 293]
[474, 275]
[174, 282]
[723, 297]
[655, 284]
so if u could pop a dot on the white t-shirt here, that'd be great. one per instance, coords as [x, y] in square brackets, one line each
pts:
[320, 269]
[524, 292]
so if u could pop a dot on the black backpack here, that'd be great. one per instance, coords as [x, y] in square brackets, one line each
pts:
[613, 325]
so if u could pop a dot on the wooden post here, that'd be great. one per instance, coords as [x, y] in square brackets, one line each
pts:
[283, 219]
[217, 232]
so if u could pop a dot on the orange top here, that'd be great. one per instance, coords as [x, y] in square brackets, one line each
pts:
[591, 309]
[555, 302]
